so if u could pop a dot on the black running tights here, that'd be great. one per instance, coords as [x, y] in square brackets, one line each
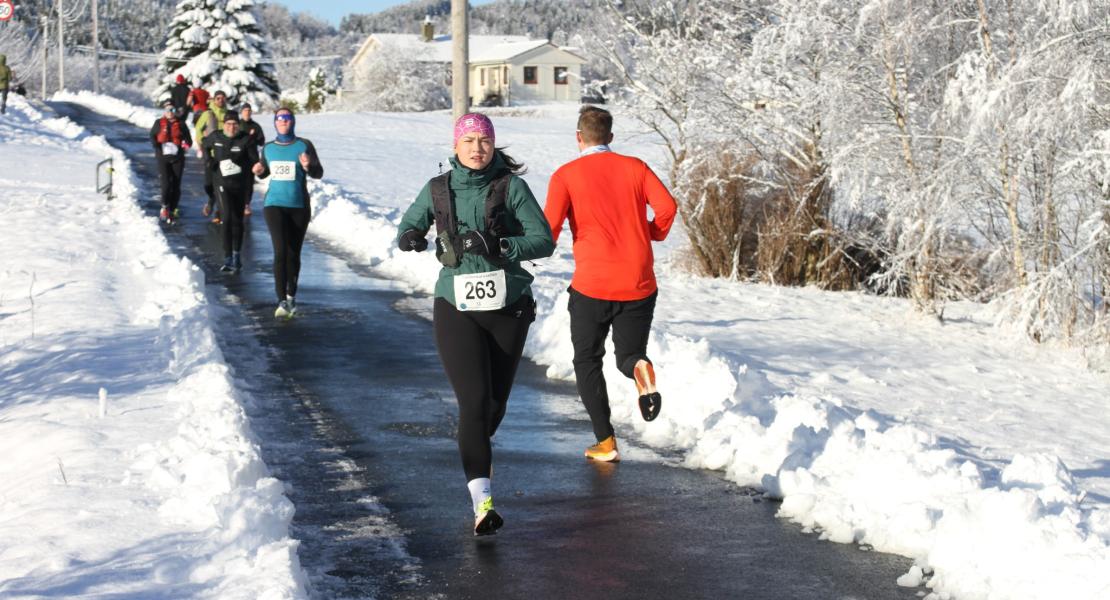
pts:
[288, 227]
[232, 202]
[169, 173]
[480, 351]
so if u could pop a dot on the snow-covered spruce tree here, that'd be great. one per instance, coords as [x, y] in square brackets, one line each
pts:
[237, 49]
[221, 45]
[186, 42]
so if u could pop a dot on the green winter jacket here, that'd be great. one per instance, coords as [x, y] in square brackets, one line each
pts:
[5, 73]
[210, 121]
[529, 234]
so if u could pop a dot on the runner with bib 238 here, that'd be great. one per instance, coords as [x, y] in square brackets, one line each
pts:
[487, 221]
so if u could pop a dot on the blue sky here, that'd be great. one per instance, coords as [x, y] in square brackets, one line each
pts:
[334, 10]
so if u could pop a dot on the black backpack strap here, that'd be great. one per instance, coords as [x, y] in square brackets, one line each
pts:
[443, 207]
[495, 201]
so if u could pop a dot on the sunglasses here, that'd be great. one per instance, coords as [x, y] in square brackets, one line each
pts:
[283, 117]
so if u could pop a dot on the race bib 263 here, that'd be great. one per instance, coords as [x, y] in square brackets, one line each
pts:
[480, 291]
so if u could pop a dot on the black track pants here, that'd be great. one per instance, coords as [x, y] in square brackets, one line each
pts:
[232, 202]
[210, 188]
[480, 351]
[169, 174]
[590, 320]
[288, 227]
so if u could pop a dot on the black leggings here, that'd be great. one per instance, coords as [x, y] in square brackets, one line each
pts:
[288, 227]
[232, 201]
[480, 351]
[590, 320]
[169, 173]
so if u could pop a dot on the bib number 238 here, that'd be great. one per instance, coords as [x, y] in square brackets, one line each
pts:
[480, 291]
[283, 170]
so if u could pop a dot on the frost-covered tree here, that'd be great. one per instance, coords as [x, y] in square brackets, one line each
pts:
[393, 81]
[302, 35]
[219, 43]
[1031, 98]
[946, 149]
[317, 90]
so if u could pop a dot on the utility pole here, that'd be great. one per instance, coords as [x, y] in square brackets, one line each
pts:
[460, 58]
[61, 46]
[45, 42]
[96, 49]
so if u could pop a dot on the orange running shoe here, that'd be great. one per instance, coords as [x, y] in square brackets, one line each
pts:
[604, 451]
[650, 400]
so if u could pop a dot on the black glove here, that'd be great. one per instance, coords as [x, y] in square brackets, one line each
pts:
[412, 240]
[482, 243]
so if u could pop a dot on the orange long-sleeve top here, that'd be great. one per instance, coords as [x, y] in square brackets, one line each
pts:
[605, 197]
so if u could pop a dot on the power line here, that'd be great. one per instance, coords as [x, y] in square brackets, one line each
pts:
[146, 56]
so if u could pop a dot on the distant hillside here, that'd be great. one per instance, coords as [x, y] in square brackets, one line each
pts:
[556, 20]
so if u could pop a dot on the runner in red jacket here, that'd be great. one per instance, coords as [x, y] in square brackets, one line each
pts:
[198, 99]
[605, 196]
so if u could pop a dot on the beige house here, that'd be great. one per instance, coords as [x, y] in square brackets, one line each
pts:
[504, 69]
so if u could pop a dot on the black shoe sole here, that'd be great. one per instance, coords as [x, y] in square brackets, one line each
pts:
[489, 524]
[650, 405]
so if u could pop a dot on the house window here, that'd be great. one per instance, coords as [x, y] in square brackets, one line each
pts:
[560, 75]
[530, 75]
[481, 76]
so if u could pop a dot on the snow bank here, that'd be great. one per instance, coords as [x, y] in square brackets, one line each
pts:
[130, 462]
[107, 105]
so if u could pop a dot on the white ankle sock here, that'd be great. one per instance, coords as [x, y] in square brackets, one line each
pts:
[479, 491]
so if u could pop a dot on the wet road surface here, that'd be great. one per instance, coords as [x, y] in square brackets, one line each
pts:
[354, 414]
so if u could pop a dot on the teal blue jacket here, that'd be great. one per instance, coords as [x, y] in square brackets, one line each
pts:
[529, 234]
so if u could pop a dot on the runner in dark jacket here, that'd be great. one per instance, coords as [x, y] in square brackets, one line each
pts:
[170, 137]
[179, 95]
[232, 156]
[255, 133]
[251, 127]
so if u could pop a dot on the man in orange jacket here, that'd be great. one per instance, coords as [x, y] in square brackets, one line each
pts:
[605, 196]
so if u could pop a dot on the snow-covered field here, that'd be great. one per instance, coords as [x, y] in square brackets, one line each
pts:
[983, 457]
[128, 465]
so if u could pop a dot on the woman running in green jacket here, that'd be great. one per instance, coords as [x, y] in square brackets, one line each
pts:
[487, 221]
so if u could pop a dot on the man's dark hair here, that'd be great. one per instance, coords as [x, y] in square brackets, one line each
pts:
[595, 124]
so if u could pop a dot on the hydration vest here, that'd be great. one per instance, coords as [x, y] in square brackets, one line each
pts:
[447, 226]
[168, 132]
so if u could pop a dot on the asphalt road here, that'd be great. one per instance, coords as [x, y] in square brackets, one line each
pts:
[354, 413]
